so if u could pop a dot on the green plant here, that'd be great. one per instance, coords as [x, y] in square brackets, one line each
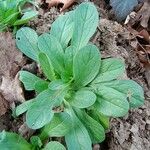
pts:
[80, 91]
[12, 14]
[13, 141]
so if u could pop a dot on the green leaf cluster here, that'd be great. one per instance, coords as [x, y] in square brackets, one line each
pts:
[79, 91]
[13, 141]
[12, 14]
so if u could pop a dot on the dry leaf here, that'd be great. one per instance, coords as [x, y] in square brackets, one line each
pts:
[3, 105]
[144, 14]
[143, 33]
[65, 3]
[140, 18]
[11, 61]
[11, 89]
[25, 131]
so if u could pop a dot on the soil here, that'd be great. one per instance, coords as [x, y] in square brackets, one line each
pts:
[131, 132]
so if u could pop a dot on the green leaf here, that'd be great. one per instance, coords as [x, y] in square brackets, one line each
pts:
[58, 127]
[62, 28]
[110, 69]
[54, 145]
[26, 17]
[40, 86]
[28, 79]
[86, 65]
[83, 98]
[111, 102]
[78, 137]
[69, 55]
[86, 21]
[26, 40]
[40, 113]
[10, 19]
[52, 48]
[24, 107]
[36, 141]
[12, 141]
[99, 117]
[130, 89]
[95, 129]
[59, 85]
[47, 66]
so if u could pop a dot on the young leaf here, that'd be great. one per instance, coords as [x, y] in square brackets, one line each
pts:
[26, 17]
[83, 98]
[86, 65]
[62, 29]
[13, 141]
[78, 137]
[69, 55]
[95, 129]
[36, 141]
[67, 75]
[130, 89]
[111, 102]
[99, 117]
[58, 127]
[41, 86]
[26, 40]
[54, 145]
[24, 107]
[122, 8]
[47, 66]
[110, 69]
[85, 24]
[28, 79]
[53, 51]
[59, 85]
[10, 19]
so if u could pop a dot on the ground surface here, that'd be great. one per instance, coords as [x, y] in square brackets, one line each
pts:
[129, 133]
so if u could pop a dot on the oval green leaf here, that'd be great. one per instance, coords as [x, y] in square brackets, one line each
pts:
[62, 28]
[110, 102]
[24, 107]
[130, 89]
[83, 98]
[40, 113]
[52, 48]
[95, 129]
[110, 69]
[58, 127]
[86, 65]
[26, 40]
[78, 138]
[28, 79]
[85, 23]
[26, 17]
[47, 66]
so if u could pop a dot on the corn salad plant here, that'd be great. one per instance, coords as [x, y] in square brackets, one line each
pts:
[79, 91]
